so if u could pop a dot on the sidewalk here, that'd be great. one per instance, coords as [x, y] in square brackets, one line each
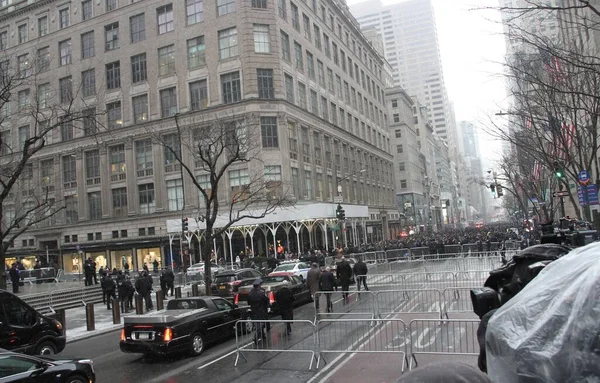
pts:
[76, 328]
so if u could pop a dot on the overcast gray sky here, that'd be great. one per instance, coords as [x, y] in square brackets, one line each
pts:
[472, 46]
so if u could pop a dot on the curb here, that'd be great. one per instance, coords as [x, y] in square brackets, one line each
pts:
[91, 334]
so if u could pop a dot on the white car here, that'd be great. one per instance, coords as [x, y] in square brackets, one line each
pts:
[299, 269]
[199, 268]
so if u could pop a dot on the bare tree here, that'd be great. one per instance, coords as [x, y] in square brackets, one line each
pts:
[207, 150]
[32, 114]
[553, 82]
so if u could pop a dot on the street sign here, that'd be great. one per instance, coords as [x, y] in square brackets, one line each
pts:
[591, 194]
[338, 199]
[583, 177]
[559, 194]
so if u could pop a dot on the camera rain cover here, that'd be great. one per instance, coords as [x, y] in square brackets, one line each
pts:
[549, 332]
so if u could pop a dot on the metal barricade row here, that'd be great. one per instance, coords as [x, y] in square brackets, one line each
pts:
[391, 302]
[357, 303]
[457, 300]
[273, 336]
[376, 336]
[449, 337]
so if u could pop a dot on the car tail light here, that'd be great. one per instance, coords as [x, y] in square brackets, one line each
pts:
[168, 335]
[234, 283]
[271, 298]
[236, 299]
[122, 335]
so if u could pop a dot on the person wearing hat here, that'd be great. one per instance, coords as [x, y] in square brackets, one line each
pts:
[259, 304]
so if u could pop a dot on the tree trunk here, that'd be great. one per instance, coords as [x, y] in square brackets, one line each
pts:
[3, 283]
[206, 253]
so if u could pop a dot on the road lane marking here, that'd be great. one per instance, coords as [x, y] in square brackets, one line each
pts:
[368, 336]
[223, 356]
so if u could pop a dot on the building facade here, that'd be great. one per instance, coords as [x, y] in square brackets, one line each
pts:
[301, 72]
[409, 33]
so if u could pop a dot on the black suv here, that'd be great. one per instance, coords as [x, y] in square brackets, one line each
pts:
[226, 283]
[22, 329]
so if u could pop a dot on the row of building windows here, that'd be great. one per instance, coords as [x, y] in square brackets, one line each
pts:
[333, 83]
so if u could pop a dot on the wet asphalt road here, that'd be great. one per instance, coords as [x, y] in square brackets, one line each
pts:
[113, 366]
[216, 363]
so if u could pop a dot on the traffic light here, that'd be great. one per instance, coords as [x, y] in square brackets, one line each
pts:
[493, 189]
[184, 224]
[558, 172]
[343, 214]
[340, 214]
[499, 190]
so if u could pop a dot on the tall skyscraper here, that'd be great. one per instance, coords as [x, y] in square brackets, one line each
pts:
[409, 33]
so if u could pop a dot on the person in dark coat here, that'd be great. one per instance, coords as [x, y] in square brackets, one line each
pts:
[143, 287]
[126, 291]
[344, 274]
[155, 266]
[312, 281]
[102, 272]
[259, 304]
[163, 281]
[285, 303]
[170, 280]
[93, 263]
[360, 273]
[327, 284]
[14, 278]
[88, 272]
[108, 289]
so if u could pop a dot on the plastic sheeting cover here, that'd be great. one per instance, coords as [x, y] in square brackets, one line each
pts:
[550, 331]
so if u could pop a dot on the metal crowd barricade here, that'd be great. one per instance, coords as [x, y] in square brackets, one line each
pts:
[44, 274]
[248, 337]
[380, 257]
[374, 336]
[411, 281]
[391, 302]
[452, 337]
[419, 252]
[457, 300]
[405, 266]
[452, 249]
[472, 278]
[359, 303]
[479, 263]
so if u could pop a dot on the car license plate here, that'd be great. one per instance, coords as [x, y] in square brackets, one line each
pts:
[222, 287]
[142, 335]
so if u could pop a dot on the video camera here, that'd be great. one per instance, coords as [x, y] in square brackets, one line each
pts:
[505, 282]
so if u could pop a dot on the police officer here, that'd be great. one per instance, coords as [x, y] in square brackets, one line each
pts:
[285, 303]
[143, 287]
[108, 288]
[126, 291]
[360, 273]
[259, 304]
[14, 277]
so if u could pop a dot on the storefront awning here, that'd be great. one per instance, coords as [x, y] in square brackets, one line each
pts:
[298, 213]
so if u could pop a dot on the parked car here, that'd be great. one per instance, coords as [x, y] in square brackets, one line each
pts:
[186, 325]
[299, 269]
[33, 369]
[199, 268]
[273, 283]
[23, 329]
[226, 283]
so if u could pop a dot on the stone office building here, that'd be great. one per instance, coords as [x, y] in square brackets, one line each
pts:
[302, 70]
